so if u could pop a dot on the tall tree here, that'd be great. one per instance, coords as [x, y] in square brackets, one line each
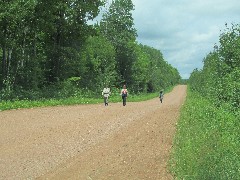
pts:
[99, 63]
[117, 25]
[13, 34]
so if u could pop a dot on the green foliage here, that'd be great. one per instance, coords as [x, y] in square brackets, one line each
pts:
[160, 74]
[7, 90]
[40, 40]
[207, 142]
[49, 51]
[219, 78]
[229, 50]
[184, 81]
[117, 27]
[100, 64]
[117, 23]
[141, 69]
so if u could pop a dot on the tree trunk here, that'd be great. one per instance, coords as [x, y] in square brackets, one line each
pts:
[9, 58]
[4, 50]
[4, 62]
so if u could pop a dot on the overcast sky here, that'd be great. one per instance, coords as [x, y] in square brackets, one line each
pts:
[185, 31]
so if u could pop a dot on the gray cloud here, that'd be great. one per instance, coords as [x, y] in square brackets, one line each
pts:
[185, 31]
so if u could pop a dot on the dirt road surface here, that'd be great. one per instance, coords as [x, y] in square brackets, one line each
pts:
[90, 142]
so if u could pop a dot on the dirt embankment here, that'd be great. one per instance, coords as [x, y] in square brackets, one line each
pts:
[90, 141]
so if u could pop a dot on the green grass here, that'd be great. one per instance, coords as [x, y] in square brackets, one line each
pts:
[6, 105]
[207, 142]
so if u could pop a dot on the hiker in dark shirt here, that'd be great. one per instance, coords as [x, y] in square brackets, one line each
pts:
[161, 96]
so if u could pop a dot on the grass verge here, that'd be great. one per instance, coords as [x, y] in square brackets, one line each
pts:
[207, 142]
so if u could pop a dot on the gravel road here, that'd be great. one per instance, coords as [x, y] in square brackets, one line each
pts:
[90, 142]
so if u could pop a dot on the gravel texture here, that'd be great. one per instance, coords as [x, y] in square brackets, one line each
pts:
[90, 141]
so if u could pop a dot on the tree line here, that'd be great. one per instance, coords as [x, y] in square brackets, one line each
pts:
[219, 78]
[49, 48]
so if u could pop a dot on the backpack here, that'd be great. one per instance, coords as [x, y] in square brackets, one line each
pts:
[124, 93]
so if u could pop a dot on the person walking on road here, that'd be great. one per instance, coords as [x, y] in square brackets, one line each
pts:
[124, 94]
[161, 96]
[106, 93]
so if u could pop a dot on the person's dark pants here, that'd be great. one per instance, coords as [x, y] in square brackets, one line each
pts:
[124, 98]
[106, 101]
[161, 99]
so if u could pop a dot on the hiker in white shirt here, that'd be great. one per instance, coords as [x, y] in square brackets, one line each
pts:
[106, 93]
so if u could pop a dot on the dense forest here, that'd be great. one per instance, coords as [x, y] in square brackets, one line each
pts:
[50, 50]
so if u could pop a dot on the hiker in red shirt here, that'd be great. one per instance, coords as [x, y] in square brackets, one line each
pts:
[124, 94]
